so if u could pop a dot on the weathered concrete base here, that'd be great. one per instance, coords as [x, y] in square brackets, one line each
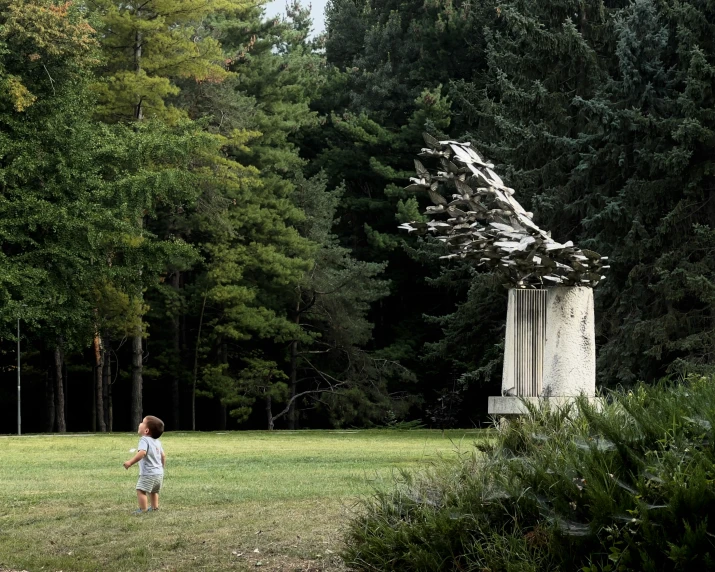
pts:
[517, 405]
[570, 345]
[550, 349]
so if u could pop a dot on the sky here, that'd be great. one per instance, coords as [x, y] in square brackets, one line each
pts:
[278, 7]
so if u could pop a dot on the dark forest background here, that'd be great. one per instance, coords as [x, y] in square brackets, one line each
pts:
[199, 205]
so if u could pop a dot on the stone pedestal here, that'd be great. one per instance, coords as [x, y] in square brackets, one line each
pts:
[549, 350]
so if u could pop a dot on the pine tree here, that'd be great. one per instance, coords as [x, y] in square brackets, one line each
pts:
[394, 64]
[331, 306]
[254, 255]
[644, 182]
[149, 47]
[69, 189]
[520, 113]
[604, 121]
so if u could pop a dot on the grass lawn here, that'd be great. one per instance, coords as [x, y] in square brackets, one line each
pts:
[231, 501]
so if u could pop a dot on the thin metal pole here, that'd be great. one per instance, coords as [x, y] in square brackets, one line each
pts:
[19, 416]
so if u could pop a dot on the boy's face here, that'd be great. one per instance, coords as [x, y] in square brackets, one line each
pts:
[143, 429]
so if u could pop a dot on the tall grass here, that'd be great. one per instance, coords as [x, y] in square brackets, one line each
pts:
[629, 487]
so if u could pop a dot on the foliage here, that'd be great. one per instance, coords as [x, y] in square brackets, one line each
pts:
[58, 211]
[40, 39]
[333, 301]
[596, 109]
[622, 486]
[375, 107]
[254, 257]
[230, 189]
[398, 62]
[148, 46]
[651, 129]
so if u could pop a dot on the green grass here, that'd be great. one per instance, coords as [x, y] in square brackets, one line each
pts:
[65, 501]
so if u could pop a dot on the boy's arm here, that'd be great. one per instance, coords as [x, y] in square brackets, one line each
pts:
[163, 458]
[141, 453]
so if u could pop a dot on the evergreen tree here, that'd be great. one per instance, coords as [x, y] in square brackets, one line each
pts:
[254, 257]
[522, 114]
[609, 146]
[393, 51]
[394, 63]
[149, 47]
[70, 187]
[644, 189]
[331, 306]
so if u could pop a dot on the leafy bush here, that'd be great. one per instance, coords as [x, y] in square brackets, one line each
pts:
[628, 487]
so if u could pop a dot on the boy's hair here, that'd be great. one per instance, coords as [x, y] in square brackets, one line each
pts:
[155, 426]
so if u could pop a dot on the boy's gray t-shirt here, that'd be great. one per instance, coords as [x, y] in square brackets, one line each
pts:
[151, 463]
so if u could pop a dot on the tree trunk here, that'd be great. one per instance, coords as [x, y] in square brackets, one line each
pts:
[196, 365]
[137, 380]
[59, 392]
[49, 403]
[269, 411]
[293, 383]
[223, 357]
[93, 416]
[98, 393]
[66, 397]
[138, 110]
[137, 350]
[111, 410]
[107, 383]
[176, 322]
[222, 417]
[710, 357]
[294, 369]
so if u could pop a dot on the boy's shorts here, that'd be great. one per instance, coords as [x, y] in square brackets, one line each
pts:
[150, 483]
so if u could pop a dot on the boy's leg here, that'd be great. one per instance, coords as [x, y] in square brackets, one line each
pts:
[141, 497]
[154, 501]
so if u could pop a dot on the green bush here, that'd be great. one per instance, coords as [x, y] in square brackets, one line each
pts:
[628, 487]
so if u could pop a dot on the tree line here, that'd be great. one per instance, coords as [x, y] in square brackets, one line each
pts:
[199, 205]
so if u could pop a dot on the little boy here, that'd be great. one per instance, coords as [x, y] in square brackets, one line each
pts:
[151, 459]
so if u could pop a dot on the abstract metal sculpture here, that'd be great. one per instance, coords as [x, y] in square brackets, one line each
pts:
[549, 344]
[487, 224]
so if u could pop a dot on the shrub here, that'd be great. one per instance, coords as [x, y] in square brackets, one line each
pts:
[628, 487]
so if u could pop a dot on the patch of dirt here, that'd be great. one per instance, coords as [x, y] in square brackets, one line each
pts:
[277, 563]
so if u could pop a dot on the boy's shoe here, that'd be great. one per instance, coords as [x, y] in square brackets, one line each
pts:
[140, 511]
[152, 509]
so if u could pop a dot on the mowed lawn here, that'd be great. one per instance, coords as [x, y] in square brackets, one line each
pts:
[231, 501]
